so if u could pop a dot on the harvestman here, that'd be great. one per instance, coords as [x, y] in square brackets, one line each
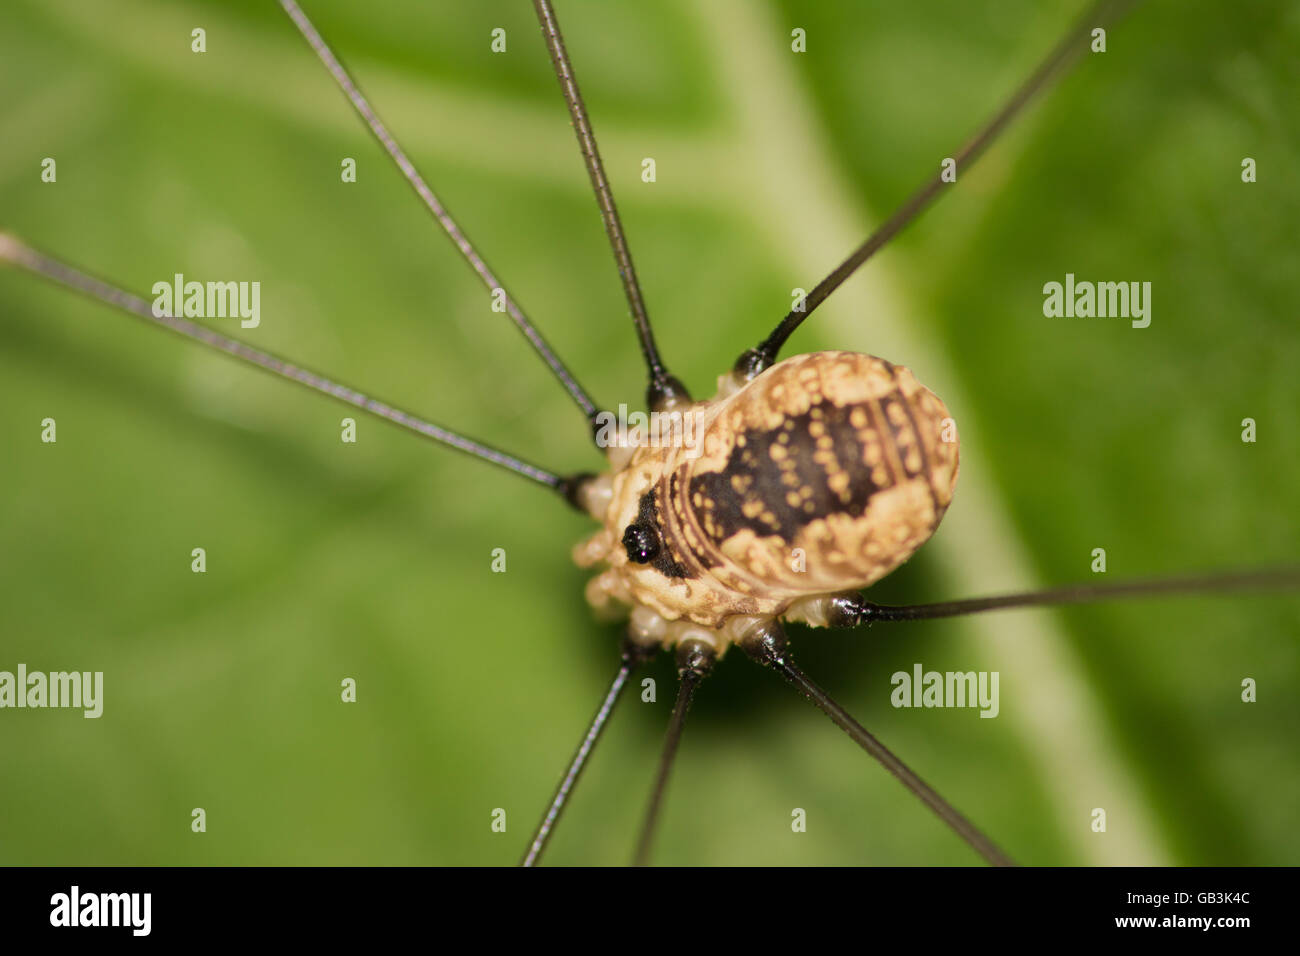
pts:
[834, 453]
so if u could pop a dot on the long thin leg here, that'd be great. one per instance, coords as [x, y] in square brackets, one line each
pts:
[47, 267]
[694, 662]
[663, 387]
[632, 657]
[1075, 42]
[852, 610]
[769, 648]
[385, 138]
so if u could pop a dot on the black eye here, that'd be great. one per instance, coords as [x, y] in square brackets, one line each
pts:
[641, 542]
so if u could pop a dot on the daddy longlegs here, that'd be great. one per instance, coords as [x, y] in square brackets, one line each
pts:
[25, 255]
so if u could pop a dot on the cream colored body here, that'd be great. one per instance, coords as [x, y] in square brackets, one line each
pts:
[820, 476]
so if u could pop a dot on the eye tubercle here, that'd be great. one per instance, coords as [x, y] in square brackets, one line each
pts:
[641, 542]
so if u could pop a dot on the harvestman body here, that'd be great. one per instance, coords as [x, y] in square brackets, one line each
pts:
[821, 475]
[813, 477]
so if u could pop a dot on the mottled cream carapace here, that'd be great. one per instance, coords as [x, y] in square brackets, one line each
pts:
[819, 477]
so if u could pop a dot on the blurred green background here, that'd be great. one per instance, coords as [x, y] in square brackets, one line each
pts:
[372, 560]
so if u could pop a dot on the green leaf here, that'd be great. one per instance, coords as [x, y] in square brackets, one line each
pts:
[372, 560]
